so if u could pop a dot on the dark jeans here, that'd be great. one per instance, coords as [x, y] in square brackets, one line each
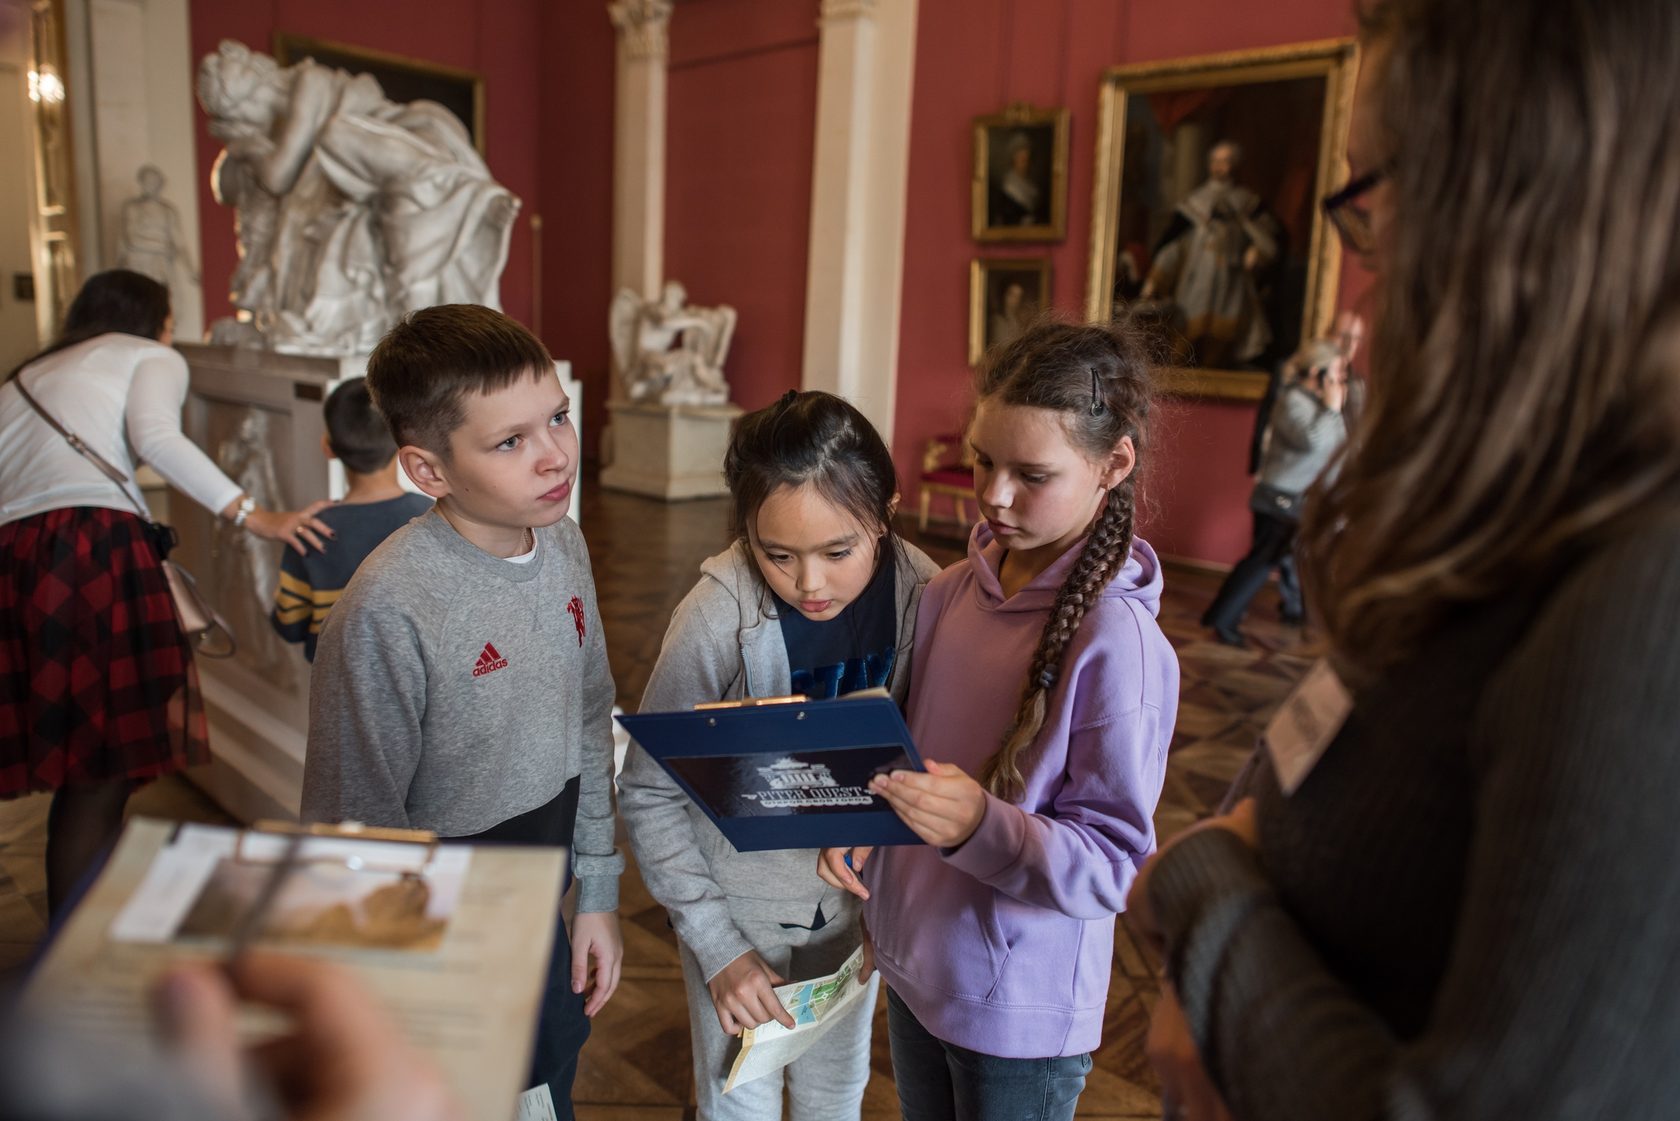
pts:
[1290, 601]
[939, 1081]
[562, 1028]
[1274, 539]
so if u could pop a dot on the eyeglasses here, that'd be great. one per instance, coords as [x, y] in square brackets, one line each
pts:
[1352, 221]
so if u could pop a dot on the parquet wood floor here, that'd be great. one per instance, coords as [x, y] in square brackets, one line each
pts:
[646, 555]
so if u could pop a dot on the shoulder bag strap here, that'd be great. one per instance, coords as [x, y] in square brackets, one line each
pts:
[92, 456]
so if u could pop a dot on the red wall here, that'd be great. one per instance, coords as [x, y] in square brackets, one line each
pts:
[973, 57]
[499, 40]
[740, 139]
[574, 197]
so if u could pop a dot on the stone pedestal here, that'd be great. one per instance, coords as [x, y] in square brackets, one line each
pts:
[258, 415]
[669, 452]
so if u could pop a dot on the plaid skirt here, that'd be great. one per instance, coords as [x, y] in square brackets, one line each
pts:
[96, 679]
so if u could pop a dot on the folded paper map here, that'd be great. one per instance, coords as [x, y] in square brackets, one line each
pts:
[816, 1006]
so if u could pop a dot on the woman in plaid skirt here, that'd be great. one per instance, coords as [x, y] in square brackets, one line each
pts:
[97, 687]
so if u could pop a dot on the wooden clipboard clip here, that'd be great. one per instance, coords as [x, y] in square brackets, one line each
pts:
[347, 831]
[753, 702]
[792, 699]
[291, 858]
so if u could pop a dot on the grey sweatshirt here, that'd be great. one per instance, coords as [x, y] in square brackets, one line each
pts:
[725, 643]
[453, 690]
[1304, 435]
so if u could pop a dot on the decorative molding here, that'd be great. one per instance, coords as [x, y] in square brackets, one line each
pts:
[643, 27]
[836, 11]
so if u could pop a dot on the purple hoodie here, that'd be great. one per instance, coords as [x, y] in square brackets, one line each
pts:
[1003, 945]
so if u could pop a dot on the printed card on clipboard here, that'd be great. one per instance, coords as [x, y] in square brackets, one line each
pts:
[452, 939]
[786, 772]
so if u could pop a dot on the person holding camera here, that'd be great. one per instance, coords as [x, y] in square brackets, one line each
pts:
[1306, 428]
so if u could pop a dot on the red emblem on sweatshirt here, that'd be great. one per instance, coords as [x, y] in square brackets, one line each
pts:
[489, 661]
[576, 608]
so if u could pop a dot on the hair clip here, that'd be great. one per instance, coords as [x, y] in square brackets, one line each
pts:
[1047, 677]
[789, 398]
[1098, 405]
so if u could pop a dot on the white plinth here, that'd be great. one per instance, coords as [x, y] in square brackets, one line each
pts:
[669, 452]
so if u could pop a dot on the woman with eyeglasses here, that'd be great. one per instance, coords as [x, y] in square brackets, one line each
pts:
[1454, 891]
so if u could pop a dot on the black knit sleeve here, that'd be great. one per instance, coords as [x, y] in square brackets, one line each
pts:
[1561, 997]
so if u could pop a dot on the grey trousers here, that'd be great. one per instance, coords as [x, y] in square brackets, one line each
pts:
[824, 1084]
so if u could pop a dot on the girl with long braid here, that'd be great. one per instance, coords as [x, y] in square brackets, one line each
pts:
[995, 938]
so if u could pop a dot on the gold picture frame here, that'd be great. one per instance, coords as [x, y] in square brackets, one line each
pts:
[1158, 123]
[993, 311]
[402, 79]
[1019, 190]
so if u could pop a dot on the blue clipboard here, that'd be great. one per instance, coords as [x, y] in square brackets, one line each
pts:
[786, 773]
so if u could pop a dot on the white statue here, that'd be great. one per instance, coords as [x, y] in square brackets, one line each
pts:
[151, 239]
[668, 352]
[351, 210]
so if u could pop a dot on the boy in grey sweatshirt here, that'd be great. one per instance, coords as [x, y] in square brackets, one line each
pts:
[461, 682]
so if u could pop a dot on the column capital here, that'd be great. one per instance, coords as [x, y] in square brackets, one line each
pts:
[838, 11]
[643, 27]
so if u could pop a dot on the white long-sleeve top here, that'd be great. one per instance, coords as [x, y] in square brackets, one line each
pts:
[122, 395]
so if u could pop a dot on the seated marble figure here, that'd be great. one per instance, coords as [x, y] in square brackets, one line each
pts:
[351, 210]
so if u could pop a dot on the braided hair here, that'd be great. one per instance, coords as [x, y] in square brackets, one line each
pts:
[1097, 377]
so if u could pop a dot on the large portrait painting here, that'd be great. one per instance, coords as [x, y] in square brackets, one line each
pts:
[1207, 231]
[403, 79]
[1020, 175]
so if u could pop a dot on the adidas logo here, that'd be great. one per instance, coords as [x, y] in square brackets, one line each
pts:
[489, 661]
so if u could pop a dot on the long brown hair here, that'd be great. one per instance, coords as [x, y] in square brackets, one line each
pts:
[118, 301]
[1097, 378]
[1524, 389]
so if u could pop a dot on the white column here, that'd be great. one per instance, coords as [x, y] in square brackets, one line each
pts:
[639, 145]
[638, 166]
[137, 108]
[860, 169]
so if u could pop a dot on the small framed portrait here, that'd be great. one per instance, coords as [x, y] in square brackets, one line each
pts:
[403, 79]
[1005, 294]
[1207, 232]
[1020, 175]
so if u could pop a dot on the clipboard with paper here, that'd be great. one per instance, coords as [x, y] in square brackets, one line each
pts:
[786, 772]
[452, 939]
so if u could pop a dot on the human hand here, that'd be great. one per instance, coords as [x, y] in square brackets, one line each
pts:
[868, 969]
[943, 805]
[298, 528]
[595, 935]
[1187, 1091]
[743, 994]
[838, 868]
[1140, 913]
[503, 209]
[1333, 388]
[344, 1059]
